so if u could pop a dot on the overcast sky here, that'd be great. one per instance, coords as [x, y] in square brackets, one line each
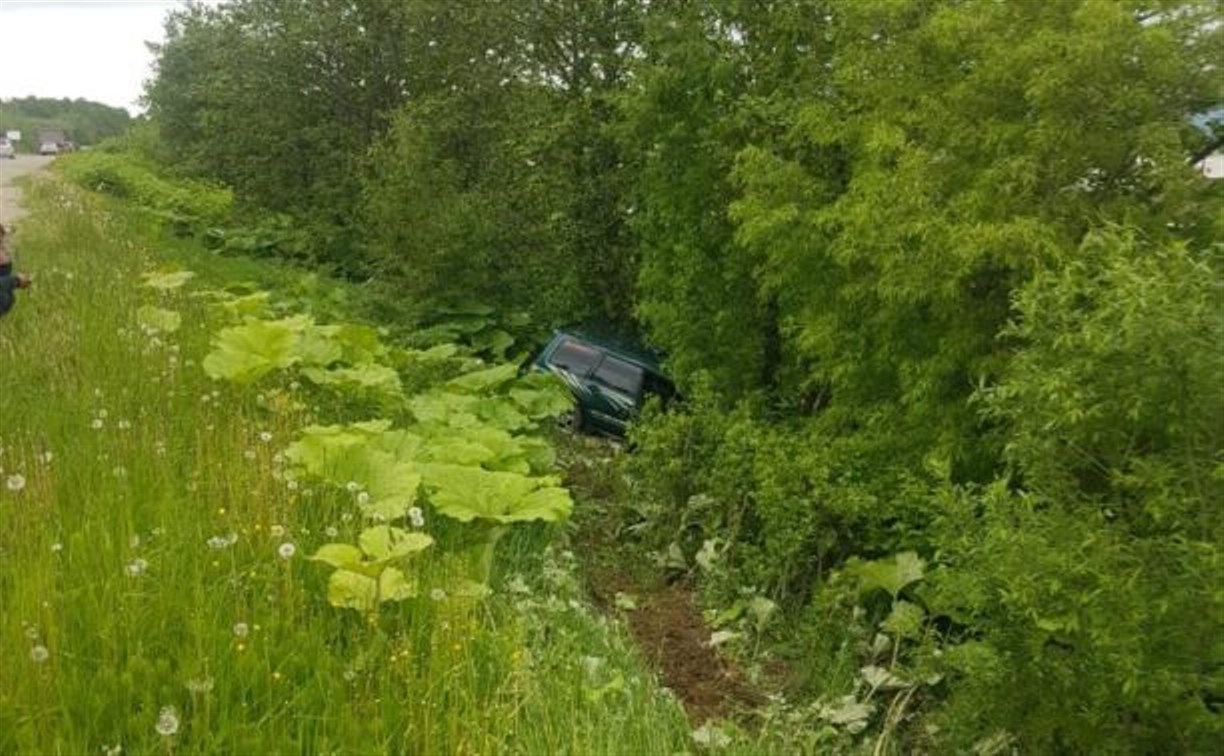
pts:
[79, 48]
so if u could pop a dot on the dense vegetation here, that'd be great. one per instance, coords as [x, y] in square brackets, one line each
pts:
[937, 279]
[234, 519]
[83, 121]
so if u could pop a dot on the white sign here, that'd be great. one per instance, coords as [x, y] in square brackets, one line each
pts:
[13, 136]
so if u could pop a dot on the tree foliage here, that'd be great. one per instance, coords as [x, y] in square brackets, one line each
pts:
[938, 280]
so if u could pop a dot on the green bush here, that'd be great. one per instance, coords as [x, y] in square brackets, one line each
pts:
[193, 203]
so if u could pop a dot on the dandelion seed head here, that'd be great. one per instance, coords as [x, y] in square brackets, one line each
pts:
[353, 486]
[363, 498]
[15, 482]
[39, 654]
[167, 722]
[265, 436]
[276, 531]
[416, 517]
[286, 550]
[241, 629]
[437, 594]
[331, 531]
[97, 424]
[137, 567]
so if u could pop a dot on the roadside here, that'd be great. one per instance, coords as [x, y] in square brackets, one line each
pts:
[10, 194]
[663, 617]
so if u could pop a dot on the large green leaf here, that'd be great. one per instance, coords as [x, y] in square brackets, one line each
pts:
[248, 352]
[352, 590]
[167, 321]
[480, 381]
[470, 493]
[891, 575]
[166, 280]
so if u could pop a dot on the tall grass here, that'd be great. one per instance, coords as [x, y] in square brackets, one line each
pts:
[148, 598]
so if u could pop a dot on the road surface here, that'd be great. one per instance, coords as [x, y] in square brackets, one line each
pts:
[10, 196]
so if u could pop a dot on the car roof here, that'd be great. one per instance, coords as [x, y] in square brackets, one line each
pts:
[616, 346]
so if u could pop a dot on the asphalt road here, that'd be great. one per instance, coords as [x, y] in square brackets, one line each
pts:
[10, 196]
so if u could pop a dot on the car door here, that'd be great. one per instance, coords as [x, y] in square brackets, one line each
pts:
[616, 391]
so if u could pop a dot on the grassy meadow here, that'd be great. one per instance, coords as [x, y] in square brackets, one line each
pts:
[156, 591]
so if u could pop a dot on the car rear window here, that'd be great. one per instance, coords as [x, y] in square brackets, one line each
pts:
[620, 375]
[574, 357]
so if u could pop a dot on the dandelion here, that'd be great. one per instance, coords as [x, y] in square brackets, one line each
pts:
[222, 542]
[331, 531]
[352, 486]
[39, 654]
[137, 567]
[291, 484]
[286, 550]
[241, 630]
[167, 722]
[276, 531]
[97, 424]
[103, 414]
[15, 482]
[57, 547]
[249, 454]
[437, 594]
[363, 498]
[278, 459]
[265, 436]
[416, 517]
[124, 424]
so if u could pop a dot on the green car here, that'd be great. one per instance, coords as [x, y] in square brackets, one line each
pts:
[610, 380]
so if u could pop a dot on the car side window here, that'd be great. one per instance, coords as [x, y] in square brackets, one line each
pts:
[574, 357]
[620, 376]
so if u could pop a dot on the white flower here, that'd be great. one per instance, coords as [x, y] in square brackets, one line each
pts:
[222, 542]
[39, 654]
[331, 531]
[286, 550]
[265, 436]
[353, 486]
[137, 567]
[416, 517]
[276, 531]
[437, 594]
[167, 722]
[96, 424]
[15, 482]
[363, 498]
[241, 630]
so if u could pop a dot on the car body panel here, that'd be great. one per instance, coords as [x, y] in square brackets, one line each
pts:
[610, 380]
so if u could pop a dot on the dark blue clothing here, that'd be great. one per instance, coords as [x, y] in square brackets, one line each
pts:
[8, 285]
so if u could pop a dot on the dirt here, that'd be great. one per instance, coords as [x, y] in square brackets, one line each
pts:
[671, 634]
[10, 195]
[666, 625]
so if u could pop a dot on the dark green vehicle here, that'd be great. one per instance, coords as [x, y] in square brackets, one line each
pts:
[610, 380]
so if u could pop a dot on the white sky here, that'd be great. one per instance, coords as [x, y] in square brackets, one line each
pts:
[79, 48]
